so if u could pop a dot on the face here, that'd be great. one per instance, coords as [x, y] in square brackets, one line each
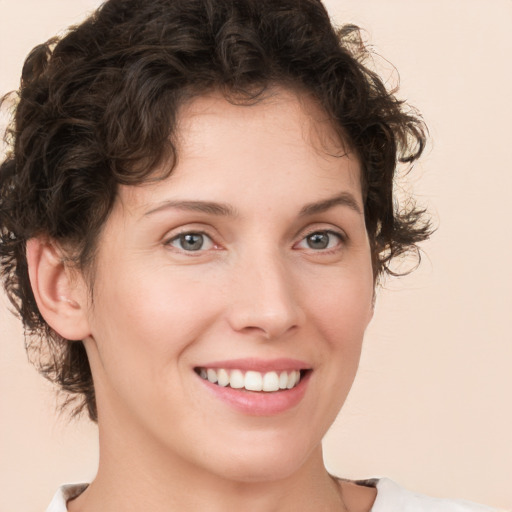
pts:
[249, 266]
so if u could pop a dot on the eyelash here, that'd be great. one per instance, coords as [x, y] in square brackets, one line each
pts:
[330, 233]
[181, 236]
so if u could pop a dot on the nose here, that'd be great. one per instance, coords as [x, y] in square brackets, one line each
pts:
[264, 299]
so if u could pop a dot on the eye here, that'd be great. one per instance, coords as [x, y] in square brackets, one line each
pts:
[321, 240]
[191, 241]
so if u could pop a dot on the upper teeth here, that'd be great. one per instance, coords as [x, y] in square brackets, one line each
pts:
[250, 380]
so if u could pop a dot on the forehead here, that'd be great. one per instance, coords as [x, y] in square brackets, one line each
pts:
[284, 143]
[306, 122]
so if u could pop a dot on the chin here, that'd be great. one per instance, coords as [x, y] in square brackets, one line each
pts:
[263, 463]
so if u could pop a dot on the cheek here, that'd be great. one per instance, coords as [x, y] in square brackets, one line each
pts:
[340, 316]
[155, 312]
[343, 307]
[141, 328]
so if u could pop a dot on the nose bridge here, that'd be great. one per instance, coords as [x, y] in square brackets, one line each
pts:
[263, 296]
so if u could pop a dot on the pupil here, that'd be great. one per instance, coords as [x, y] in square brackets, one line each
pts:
[192, 242]
[318, 241]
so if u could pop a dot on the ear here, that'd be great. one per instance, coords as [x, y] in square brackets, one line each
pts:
[60, 293]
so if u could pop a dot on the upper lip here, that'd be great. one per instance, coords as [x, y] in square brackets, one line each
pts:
[258, 365]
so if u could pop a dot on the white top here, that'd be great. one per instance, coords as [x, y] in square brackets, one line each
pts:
[390, 498]
[393, 498]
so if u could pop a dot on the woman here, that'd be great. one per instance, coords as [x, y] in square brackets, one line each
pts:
[194, 217]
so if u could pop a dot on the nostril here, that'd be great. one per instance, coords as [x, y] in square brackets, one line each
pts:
[264, 304]
[269, 332]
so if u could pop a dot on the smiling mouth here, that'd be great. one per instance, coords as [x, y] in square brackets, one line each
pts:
[268, 382]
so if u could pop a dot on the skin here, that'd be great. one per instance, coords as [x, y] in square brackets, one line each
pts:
[255, 289]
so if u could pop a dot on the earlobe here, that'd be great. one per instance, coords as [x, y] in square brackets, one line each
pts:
[60, 295]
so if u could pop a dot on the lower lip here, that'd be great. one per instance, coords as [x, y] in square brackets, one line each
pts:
[260, 403]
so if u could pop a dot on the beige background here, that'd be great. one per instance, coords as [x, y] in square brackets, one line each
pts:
[432, 405]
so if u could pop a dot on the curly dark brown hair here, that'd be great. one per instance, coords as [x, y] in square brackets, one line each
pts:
[97, 108]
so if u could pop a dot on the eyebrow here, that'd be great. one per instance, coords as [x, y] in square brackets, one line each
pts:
[209, 207]
[226, 210]
[343, 199]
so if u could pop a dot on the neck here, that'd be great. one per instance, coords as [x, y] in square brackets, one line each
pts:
[134, 477]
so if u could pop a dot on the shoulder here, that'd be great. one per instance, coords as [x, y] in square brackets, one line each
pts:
[391, 497]
[63, 495]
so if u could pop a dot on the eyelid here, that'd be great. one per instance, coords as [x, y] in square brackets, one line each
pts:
[339, 233]
[187, 230]
[323, 228]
